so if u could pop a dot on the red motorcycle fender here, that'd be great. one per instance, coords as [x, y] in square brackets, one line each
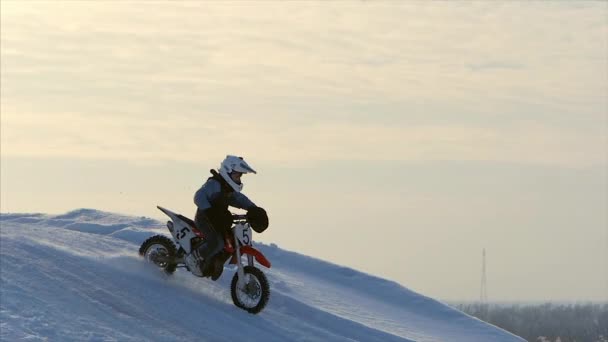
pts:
[259, 257]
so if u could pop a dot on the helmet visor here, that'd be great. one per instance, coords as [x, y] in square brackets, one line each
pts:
[242, 167]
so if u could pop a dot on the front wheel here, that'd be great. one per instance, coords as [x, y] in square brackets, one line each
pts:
[255, 293]
[159, 250]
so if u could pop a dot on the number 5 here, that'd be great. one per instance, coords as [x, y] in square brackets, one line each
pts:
[184, 231]
[246, 236]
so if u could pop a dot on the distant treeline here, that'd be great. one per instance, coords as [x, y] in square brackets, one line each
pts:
[546, 322]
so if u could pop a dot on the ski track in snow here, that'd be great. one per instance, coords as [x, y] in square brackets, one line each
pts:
[77, 277]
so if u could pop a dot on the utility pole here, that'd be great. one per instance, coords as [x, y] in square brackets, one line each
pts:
[483, 295]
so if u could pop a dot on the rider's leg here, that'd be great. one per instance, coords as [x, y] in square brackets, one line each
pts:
[213, 241]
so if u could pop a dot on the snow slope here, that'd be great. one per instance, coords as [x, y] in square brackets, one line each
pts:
[77, 277]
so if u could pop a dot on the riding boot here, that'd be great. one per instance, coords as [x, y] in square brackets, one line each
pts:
[201, 252]
[218, 265]
[207, 266]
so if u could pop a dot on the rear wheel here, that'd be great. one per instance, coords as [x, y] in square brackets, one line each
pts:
[160, 251]
[255, 293]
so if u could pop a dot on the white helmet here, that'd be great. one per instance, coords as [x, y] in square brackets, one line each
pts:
[234, 163]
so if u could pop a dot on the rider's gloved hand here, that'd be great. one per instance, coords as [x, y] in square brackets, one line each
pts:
[258, 218]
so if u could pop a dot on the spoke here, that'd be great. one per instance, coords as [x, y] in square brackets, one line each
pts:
[154, 252]
[250, 294]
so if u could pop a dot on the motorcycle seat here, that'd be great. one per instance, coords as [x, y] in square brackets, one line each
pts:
[187, 220]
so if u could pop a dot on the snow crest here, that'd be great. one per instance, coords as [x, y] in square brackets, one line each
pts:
[77, 277]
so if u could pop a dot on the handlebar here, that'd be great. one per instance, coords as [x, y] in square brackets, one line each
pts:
[236, 217]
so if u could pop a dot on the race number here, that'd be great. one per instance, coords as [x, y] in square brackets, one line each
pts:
[243, 233]
[182, 233]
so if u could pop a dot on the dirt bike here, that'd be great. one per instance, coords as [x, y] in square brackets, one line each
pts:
[249, 288]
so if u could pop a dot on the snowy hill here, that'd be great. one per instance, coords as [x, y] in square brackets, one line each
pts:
[77, 277]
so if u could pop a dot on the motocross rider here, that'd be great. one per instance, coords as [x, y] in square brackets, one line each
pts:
[212, 217]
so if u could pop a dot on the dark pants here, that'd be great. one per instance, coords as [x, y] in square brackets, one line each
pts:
[213, 238]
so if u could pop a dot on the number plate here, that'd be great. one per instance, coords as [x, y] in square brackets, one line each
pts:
[243, 233]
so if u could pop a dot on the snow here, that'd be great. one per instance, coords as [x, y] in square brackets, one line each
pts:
[77, 277]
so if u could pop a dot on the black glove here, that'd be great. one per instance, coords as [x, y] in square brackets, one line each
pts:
[258, 219]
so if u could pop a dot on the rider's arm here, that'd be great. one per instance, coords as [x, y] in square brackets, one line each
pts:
[239, 200]
[204, 195]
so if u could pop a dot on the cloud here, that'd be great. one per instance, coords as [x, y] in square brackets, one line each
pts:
[496, 66]
[363, 81]
[78, 136]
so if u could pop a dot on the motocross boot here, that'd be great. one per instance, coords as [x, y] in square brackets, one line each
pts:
[218, 265]
[206, 267]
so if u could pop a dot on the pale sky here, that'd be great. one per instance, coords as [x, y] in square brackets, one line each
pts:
[398, 138]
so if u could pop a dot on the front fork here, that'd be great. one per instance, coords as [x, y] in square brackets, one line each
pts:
[240, 269]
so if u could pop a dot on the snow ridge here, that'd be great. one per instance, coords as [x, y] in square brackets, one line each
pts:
[77, 277]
